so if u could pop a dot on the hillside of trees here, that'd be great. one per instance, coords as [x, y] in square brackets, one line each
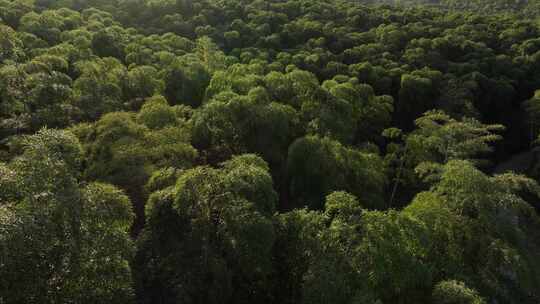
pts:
[526, 8]
[278, 151]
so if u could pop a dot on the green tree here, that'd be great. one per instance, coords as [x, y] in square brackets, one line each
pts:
[294, 251]
[12, 11]
[211, 235]
[110, 42]
[232, 124]
[98, 90]
[46, 25]
[440, 138]
[475, 219]
[372, 114]
[141, 82]
[12, 95]
[417, 94]
[49, 99]
[455, 292]
[531, 111]
[11, 47]
[437, 140]
[61, 241]
[186, 81]
[209, 54]
[124, 149]
[393, 255]
[318, 166]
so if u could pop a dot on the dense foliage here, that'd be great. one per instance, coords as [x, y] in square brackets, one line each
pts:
[282, 151]
[527, 8]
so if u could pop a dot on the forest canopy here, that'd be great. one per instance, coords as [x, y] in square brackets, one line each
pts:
[279, 151]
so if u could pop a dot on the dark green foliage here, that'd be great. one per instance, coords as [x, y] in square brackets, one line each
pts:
[318, 166]
[99, 88]
[232, 124]
[186, 83]
[417, 93]
[487, 216]
[197, 129]
[524, 8]
[109, 42]
[124, 149]
[210, 236]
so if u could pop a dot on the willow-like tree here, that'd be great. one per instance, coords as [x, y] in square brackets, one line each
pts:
[61, 240]
[209, 236]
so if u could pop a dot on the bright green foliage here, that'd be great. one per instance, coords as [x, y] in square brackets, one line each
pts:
[53, 227]
[454, 292]
[376, 76]
[158, 50]
[440, 138]
[450, 239]
[292, 88]
[342, 205]
[332, 274]
[209, 54]
[437, 140]
[156, 113]
[44, 25]
[238, 78]
[248, 177]
[340, 108]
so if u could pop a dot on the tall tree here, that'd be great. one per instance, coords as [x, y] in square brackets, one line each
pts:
[62, 241]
